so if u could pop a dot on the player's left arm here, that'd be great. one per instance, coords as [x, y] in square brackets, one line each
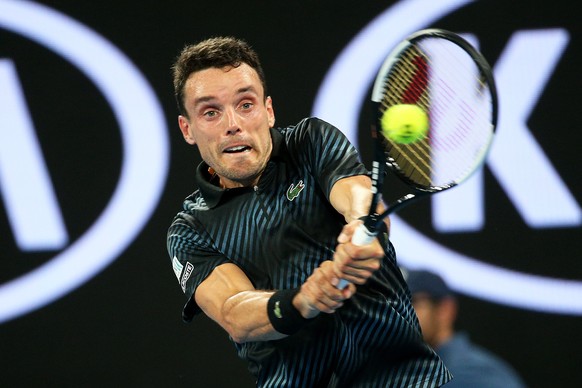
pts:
[351, 197]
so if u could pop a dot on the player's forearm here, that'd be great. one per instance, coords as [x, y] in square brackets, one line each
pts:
[244, 317]
[351, 197]
[228, 297]
[264, 316]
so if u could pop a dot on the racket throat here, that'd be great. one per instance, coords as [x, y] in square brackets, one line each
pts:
[373, 223]
[403, 201]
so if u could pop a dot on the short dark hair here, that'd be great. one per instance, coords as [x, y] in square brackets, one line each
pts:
[215, 52]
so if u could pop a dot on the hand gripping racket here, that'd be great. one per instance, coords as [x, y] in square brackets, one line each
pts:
[435, 108]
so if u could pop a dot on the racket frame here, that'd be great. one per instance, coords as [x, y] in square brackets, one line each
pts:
[374, 220]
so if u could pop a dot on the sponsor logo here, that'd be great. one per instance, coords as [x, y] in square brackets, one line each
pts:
[199, 204]
[277, 310]
[186, 275]
[294, 190]
[177, 267]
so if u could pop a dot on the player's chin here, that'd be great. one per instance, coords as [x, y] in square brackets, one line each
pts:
[243, 163]
[240, 164]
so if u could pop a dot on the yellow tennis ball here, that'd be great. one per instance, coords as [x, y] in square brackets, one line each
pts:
[404, 123]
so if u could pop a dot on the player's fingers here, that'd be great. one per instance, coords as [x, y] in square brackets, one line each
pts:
[348, 231]
[357, 252]
[321, 293]
[359, 275]
[327, 305]
[329, 285]
[349, 290]
[341, 260]
[349, 255]
[356, 271]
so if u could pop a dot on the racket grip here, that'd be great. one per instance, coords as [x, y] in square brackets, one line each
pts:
[343, 283]
[362, 236]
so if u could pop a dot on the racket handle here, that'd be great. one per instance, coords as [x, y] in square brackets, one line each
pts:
[362, 236]
[343, 283]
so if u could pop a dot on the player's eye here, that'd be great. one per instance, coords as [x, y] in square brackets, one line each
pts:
[210, 114]
[246, 105]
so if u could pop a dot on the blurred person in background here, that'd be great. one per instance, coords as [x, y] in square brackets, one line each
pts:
[471, 365]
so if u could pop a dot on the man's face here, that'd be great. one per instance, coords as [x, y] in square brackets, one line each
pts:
[229, 120]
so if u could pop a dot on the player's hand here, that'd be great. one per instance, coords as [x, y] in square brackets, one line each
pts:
[319, 293]
[354, 263]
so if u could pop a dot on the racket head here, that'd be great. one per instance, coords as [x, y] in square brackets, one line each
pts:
[444, 75]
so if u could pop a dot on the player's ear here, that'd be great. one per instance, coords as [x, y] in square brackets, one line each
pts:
[270, 111]
[184, 125]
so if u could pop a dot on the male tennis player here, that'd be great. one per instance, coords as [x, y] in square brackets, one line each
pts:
[256, 246]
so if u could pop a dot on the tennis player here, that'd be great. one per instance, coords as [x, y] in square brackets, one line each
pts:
[262, 242]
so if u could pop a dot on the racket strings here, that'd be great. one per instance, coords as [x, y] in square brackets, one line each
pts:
[461, 111]
[408, 84]
[442, 79]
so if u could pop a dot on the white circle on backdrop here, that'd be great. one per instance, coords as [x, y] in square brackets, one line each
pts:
[145, 155]
[339, 101]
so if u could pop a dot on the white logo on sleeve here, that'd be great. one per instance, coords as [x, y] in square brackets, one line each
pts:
[177, 267]
[186, 275]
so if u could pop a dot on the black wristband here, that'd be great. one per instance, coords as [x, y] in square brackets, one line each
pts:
[284, 317]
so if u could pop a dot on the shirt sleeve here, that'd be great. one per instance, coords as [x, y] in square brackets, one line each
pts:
[193, 258]
[326, 151]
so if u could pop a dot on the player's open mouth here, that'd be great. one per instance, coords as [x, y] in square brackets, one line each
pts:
[237, 149]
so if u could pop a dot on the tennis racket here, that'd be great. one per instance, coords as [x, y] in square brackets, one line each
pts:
[435, 111]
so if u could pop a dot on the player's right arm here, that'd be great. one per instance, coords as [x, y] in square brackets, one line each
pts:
[228, 297]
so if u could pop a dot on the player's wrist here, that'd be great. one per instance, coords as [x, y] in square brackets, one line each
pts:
[283, 315]
[306, 309]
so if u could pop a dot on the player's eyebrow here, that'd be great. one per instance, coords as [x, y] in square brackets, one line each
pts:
[203, 99]
[243, 90]
[247, 89]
